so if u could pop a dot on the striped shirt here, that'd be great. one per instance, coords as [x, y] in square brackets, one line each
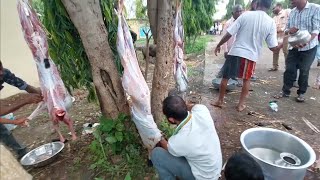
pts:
[307, 19]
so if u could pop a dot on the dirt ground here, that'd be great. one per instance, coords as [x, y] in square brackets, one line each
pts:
[74, 162]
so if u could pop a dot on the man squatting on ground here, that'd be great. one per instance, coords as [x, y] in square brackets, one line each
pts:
[193, 151]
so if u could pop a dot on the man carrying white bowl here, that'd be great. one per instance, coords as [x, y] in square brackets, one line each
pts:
[305, 16]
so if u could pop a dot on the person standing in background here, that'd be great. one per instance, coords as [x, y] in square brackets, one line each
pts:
[220, 28]
[236, 12]
[281, 20]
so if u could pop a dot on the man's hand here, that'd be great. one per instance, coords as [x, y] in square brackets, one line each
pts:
[163, 143]
[217, 50]
[34, 98]
[225, 55]
[278, 48]
[20, 121]
[300, 46]
[293, 30]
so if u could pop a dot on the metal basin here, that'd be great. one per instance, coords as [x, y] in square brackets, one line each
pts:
[42, 155]
[281, 155]
[230, 86]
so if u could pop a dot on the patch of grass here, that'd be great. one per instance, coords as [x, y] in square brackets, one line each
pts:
[167, 128]
[142, 42]
[199, 44]
[117, 150]
[192, 71]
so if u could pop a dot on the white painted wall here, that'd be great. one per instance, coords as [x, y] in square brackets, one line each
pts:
[14, 52]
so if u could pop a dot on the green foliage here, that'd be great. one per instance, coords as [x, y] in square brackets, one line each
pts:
[141, 10]
[118, 138]
[166, 128]
[199, 45]
[111, 22]
[197, 16]
[38, 7]
[65, 45]
[230, 7]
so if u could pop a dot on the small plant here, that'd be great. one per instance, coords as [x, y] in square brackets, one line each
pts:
[167, 128]
[117, 149]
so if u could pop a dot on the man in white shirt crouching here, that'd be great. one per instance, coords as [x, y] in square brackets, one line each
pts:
[193, 151]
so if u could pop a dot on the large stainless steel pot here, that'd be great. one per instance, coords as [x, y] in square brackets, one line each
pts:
[282, 156]
[300, 37]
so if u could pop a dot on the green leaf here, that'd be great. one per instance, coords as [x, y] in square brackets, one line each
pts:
[120, 127]
[119, 136]
[111, 139]
[107, 125]
[92, 166]
[128, 177]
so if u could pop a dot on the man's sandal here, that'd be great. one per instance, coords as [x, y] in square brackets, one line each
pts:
[273, 69]
[300, 98]
[281, 95]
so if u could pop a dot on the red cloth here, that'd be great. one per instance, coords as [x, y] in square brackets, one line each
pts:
[247, 68]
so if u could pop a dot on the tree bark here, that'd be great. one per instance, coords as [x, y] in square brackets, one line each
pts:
[164, 62]
[87, 17]
[147, 58]
[153, 14]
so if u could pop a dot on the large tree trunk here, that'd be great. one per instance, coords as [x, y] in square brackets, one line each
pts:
[164, 64]
[87, 17]
[153, 14]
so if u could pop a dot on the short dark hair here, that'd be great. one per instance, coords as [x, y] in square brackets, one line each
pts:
[279, 4]
[242, 166]
[265, 3]
[175, 107]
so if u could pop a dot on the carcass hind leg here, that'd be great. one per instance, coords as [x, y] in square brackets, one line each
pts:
[69, 123]
[56, 128]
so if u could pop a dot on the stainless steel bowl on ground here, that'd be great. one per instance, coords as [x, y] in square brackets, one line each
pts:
[42, 155]
[282, 156]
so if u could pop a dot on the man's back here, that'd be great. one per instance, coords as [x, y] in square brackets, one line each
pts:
[199, 143]
[252, 28]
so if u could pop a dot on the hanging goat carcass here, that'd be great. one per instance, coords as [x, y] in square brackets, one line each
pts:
[135, 85]
[180, 67]
[56, 98]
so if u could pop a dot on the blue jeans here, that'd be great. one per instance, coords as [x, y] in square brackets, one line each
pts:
[301, 60]
[7, 138]
[170, 167]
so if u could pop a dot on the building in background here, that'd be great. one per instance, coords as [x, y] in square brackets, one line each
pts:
[15, 54]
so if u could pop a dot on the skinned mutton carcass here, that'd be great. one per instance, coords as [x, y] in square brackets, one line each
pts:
[135, 85]
[56, 98]
[180, 67]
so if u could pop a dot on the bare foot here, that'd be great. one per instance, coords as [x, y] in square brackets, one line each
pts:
[241, 107]
[218, 104]
[63, 140]
[74, 137]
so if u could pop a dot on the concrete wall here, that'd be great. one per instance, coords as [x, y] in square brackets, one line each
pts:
[14, 52]
[136, 24]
